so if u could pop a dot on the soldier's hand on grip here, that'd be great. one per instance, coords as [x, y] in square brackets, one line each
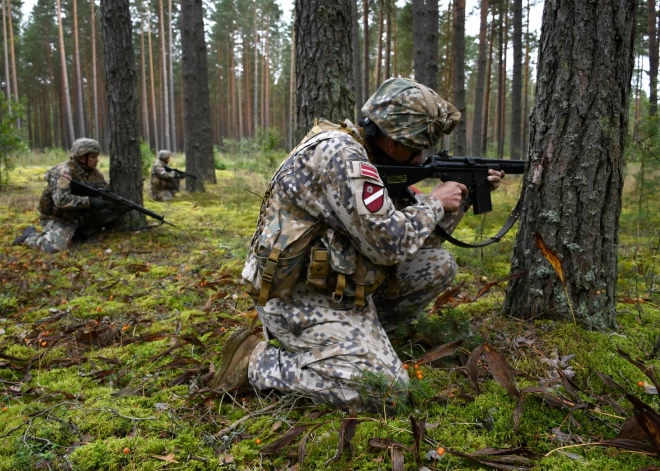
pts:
[99, 203]
[450, 195]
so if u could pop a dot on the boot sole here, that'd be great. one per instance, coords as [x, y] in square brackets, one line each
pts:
[228, 351]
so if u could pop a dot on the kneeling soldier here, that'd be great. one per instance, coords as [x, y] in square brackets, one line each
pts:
[65, 214]
[164, 183]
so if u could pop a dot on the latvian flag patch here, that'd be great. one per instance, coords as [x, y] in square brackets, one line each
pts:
[367, 170]
[373, 196]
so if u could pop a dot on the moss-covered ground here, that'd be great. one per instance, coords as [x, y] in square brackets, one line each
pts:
[105, 350]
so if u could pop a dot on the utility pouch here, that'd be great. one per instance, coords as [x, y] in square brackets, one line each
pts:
[280, 253]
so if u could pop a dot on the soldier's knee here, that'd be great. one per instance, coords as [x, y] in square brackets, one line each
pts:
[445, 272]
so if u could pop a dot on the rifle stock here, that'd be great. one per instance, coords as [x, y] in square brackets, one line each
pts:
[82, 189]
[179, 173]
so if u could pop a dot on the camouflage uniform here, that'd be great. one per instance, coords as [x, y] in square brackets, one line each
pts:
[327, 194]
[63, 213]
[164, 184]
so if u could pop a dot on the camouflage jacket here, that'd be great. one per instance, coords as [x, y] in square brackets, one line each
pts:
[327, 189]
[58, 201]
[161, 179]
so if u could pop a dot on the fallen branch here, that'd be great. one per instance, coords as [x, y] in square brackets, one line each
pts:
[242, 420]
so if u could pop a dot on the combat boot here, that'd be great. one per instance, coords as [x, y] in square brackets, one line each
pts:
[23, 237]
[233, 372]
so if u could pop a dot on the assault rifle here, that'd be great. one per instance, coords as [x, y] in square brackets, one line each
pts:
[470, 171]
[81, 189]
[179, 173]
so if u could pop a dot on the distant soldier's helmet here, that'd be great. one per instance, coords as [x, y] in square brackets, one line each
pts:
[83, 146]
[411, 113]
[164, 154]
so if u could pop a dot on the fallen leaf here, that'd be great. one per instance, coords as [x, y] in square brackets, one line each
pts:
[501, 370]
[285, 440]
[472, 367]
[550, 256]
[438, 352]
[169, 458]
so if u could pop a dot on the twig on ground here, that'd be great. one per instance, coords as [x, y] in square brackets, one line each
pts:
[242, 420]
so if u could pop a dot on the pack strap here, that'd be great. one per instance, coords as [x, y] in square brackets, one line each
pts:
[267, 276]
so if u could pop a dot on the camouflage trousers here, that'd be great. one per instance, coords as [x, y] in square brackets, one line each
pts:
[55, 236]
[166, 191]
[327, 352]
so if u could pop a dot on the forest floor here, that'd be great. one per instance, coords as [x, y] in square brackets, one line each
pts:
[105, 351]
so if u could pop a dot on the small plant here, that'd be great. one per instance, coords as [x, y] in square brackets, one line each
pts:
[10, 138]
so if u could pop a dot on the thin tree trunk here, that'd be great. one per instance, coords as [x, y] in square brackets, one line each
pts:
[197, 112]
[145, 101]
[255, 104]
[395, 72]
[79, 85]
[267, 76]
[458, 60]
[481, 79]
[504, 78]
[484, 130]
[13, 59]
[357, 76]
[248, 95]
[525, 116]
[638, 94]
[239, 87]
[388, 39]
[365, 50]
[6, 50]
[154, 115]
[171, 82]
[94, 80]
[653, 58]
[448, 46]
[501, 88]
[292, 90]
[65, 79]
[164, 87]
[379, 56]
[516, 83]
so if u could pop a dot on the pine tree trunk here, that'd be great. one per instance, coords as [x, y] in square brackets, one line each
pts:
[395, 72]
[121, 86]
[154, 115]
[292, 90]
[239, 87]
[484, 130]
[324, 74]
[165, 96]
[501, 87]
[459, 74]
[145, 101]
[478, 121]
[357, 75]
[516, 83]
[13, 59]
[171, 82]
[6, 51]
[196, 109]
[94, 79]
[65, 79]
[255, 104]
[79, 86]
[267, 76]
[388, 40]
[573, 183]
[653, 58]
[379, 56]
[365, 50]
[525, 116]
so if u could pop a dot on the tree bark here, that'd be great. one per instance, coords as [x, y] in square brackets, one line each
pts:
[196, 109]
[6, 51]
[324, 75]
[379, 56]
[481, 79]
[357, 75]
[458, 60]
[171, 82]
[154, 115]
[79, 86]
[165, 96]
[94, 79]
[145, 100]
[525, 115]
[388, 39]
[292, 90]
[256, 73]
[653, 58]
[13, 59]
[484, 131]
[516, 83]
[573, 183]
[121, 87]
[365, 50]
[65, 79]
[425, 42]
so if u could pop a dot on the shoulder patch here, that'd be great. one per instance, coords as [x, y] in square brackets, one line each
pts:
[368, 170]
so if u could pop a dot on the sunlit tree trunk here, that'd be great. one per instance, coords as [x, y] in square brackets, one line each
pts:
[197, 112]
[481, 79]
[171, 82]
[121, 87]
[573, 184]
[458, 53]
[65, 79]
[365, 50]
[145, 100]
[94, 79]
[324, 75]
[164, 87]
[357, 75]
[484, 130]
[154, 115]
[80, 104]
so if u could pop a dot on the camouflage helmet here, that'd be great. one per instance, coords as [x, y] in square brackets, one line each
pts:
[164, 155]
[410, 113]
[83, 146]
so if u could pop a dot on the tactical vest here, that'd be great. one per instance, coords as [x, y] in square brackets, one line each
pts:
[289, 240]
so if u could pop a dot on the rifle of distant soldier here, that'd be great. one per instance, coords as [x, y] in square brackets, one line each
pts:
[80, 189]
[470, 171]
[179, 173]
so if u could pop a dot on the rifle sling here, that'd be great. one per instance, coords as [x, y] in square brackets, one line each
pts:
[513, 217]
